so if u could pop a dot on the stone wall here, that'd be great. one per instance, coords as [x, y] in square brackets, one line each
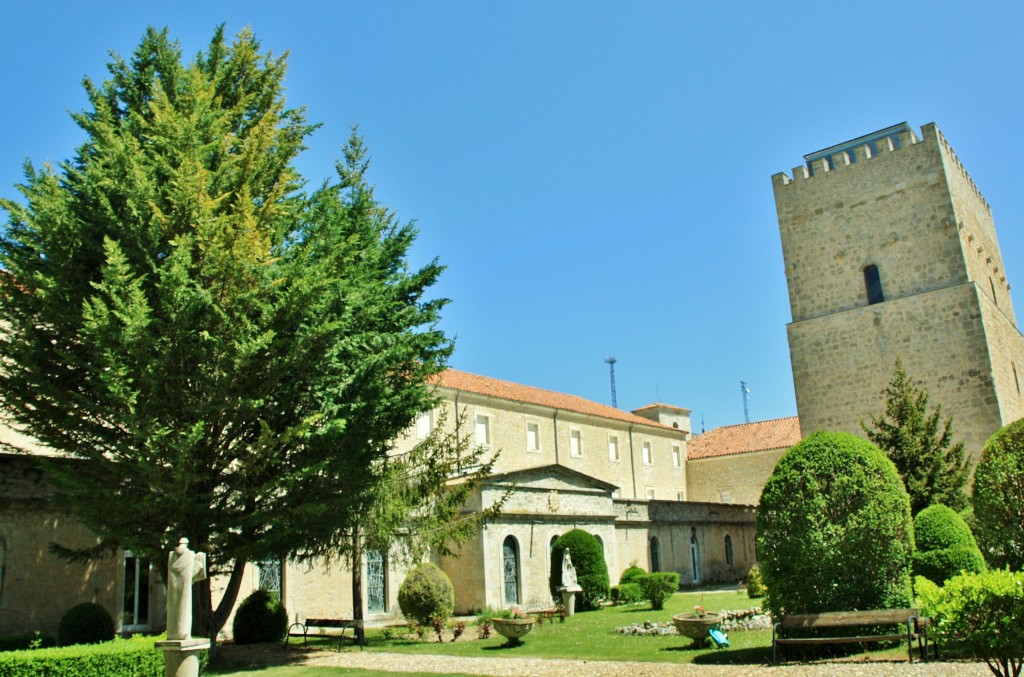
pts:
[737, 478]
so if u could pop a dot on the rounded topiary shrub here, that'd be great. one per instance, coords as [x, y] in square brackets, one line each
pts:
[945, 545]
[85, 623]
[632, 574]
[591, 570]
[426, 594]
[834, 529]
[260, 618]
[659, 587]
[998, 498]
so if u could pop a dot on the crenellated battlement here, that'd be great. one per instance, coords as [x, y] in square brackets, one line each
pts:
[843, 156]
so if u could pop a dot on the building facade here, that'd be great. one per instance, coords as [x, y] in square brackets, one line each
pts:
[890, 252]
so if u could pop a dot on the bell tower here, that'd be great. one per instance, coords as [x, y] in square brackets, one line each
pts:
[890, 252]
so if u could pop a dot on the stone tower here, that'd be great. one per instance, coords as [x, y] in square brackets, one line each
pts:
[890, 251]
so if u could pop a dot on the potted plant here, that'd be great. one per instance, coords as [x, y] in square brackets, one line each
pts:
[696, 624]
[513, 624]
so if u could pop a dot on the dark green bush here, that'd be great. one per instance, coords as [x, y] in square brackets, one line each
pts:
[260, 618]
[632, 574]
[426, 594]
[658, 587]
[27, 640]
[627, 593]
[998, 498]
[755, 583]
[945, 545]
[591, 570]
[134, 657]
[984, 610]
[85, 623]
[834, 529]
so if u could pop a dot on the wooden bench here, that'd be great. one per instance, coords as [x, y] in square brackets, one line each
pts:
[545, 614]
[915, 628]
[321, 624]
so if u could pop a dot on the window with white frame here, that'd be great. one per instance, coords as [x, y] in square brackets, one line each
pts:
[483, 430]
[532, 437]
[650, 493]
[648, 454]
[575, 443]
[677, 456]
[725, 497]
[680, 495]
[423, 426]
[613, 448]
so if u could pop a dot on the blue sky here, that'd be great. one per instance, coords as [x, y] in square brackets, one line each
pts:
[595, 175]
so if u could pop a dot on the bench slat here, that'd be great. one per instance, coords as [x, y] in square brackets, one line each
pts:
[831, 619]
[840, 640]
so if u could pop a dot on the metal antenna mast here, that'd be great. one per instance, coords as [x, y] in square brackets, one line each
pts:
[746, 400]
[611, 367]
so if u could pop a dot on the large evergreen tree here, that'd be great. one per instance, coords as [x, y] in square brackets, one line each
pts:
[229, 355]
[932, 466]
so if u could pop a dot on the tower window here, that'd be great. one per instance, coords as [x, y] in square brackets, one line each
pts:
[873, 282]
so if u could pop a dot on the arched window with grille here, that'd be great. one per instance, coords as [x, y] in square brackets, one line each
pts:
[695, 555]
[728, 551]
[510, 569]
[376, 582]
[655, 555]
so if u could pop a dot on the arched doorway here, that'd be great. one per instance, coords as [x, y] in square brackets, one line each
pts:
[510, 569]
[695, 555]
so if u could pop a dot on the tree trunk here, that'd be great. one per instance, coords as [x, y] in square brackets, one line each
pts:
[357, 587]
[207, 622]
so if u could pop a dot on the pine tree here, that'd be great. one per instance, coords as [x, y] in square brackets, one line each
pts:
[932, 466]
[228, 355]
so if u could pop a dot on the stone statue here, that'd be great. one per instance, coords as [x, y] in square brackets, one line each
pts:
[568, 571]
[184, 568]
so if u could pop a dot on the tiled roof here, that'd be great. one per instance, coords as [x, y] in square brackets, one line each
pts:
[779, 433]
[506, 390]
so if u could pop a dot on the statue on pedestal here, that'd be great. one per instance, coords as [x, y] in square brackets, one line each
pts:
[568, 571]
[184, 568]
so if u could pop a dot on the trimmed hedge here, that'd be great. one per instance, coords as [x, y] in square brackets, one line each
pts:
[632, 574]
[134, 657]
[627, 593]
[945, 545]
[591, 570]
[426, 594]
[834, 529]
[658, 587]
[260, 618]
[755, 583]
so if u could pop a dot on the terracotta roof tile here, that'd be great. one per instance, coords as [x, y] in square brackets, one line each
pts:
[779, 433]
[506, 390]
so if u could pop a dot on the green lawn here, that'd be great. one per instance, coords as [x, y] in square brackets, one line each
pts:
[590, 636]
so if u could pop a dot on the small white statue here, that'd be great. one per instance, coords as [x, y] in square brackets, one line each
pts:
[184, 568]
[568, 571]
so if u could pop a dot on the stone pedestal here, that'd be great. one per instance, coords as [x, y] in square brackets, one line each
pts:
[569, 599]
[181, 656]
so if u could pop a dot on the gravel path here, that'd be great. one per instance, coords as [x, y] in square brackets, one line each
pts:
[399, 663]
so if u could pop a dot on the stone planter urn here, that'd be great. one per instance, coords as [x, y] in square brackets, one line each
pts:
[513, 629]
[696, 626]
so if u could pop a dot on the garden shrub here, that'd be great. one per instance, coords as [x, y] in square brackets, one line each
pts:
[591, 570]
[85, 623]
[426, 594]
[658, 587]
[631, 574]
[133, 657]
[260, 618]
[984, 610]
[998, 498]
[755, 583]
[26, 640]
[627, 593]
[945, 545]
[834, 529]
